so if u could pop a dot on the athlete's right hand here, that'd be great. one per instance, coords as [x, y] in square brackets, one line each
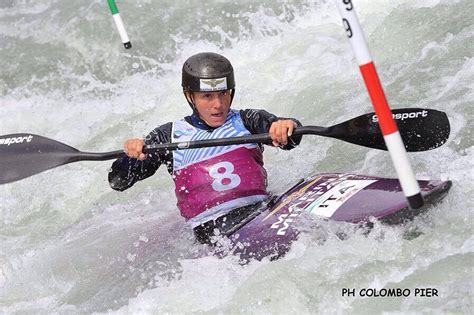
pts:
[133, 148]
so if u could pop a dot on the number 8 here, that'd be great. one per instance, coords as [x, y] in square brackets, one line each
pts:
[218, 183]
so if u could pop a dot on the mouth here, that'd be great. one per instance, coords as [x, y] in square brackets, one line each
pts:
[218, 115]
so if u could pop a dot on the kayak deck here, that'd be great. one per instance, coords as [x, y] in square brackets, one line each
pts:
[339, 197]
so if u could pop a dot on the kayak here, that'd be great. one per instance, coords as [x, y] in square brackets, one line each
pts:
[344, 197]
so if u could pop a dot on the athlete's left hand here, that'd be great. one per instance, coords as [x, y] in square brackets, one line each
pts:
[280, 130]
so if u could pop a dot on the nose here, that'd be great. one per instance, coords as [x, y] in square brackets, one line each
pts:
[218, 101]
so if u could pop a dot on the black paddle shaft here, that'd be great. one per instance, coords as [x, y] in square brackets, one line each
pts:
[420, 129]
[23, 155]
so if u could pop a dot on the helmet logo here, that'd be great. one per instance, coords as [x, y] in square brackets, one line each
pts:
[213, 84]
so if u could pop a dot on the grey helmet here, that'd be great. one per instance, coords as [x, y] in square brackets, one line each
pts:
[207, 72]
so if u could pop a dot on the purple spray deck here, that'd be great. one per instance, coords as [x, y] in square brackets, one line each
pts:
[340, 197]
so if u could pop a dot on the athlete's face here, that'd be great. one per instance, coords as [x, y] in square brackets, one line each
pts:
[212, 107]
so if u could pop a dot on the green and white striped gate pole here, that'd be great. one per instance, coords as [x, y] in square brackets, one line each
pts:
[119, 24]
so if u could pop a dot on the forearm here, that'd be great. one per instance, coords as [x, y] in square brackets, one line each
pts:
[126, 171]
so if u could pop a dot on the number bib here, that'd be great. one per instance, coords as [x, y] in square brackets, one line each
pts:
[210, 188]
[212, 181]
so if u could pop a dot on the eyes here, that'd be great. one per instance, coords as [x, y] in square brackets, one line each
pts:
[211, 95]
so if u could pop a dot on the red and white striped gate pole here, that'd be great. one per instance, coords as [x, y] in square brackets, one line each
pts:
[389, 129]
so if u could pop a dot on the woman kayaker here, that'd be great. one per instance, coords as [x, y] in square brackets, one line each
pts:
[216, 187]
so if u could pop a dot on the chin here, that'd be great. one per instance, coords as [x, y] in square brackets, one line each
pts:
[216, 124]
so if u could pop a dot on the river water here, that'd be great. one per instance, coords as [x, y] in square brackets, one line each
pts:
[69, 243]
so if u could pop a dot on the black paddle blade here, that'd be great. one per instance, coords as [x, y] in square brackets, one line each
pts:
[23, 155]
[421, 129]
